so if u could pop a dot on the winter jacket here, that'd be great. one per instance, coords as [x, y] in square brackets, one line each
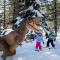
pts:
[39, 38]
[51, 36]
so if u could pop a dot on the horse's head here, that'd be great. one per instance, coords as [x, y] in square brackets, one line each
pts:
[33, 23]
[30, 22]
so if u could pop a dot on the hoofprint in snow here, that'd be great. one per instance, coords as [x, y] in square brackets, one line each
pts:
[27, 52]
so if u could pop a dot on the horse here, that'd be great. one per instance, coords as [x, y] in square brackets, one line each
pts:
[12, 40]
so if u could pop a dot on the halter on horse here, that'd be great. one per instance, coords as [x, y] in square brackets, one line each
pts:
[10, 41]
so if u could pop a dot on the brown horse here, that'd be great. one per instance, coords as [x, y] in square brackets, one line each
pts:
[10, 41]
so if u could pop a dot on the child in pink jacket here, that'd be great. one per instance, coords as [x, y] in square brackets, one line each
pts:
[39, 39]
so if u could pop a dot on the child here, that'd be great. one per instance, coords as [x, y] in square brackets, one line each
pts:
[51, 38]
[39, 39]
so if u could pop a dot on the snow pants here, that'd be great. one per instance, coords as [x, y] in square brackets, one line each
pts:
[38, 45]
[50, 41]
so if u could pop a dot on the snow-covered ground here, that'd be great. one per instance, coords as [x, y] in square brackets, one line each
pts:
[27, 52]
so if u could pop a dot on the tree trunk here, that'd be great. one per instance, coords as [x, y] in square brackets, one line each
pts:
[55, 17]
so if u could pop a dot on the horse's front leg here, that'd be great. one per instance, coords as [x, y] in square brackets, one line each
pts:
[12, 49]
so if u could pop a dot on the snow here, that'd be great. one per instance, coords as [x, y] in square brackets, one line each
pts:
[50, 0]
[19, 19]
[6, 31]
[26, 52]
[58, 36]
[33, 10]
[38, 1]
[1, 11]
[30, 8]
[38, 13]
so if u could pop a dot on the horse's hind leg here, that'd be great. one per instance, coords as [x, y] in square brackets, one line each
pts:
[4, 54]
[7, 53]
[4, 51]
